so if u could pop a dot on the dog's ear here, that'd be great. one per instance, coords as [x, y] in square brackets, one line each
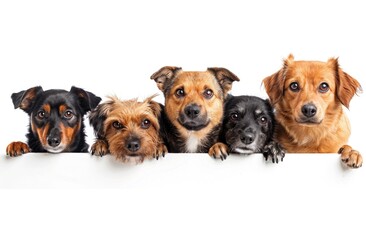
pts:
[164, 75]
[225, 78]
[87, 100]
[346, 86]
[97, 117]
[275, 83]
[155, 106]
[26, 99]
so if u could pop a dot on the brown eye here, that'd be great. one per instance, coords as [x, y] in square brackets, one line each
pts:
[117, 125]
[323, 87]
[208, 93]
[41, 114]
[68, 114]
[295, 87]
[145, 124]
[263, 120]
[234, 116]
[180, 93]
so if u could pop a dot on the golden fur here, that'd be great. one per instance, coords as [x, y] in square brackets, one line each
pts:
[330, 129]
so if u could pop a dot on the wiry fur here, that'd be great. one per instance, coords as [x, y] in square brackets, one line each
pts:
[130, 114]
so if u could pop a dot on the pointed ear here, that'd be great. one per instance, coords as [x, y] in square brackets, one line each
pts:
[275, 83]
[164, 75]
[88, 100]
[225, 78]
[155, 106]
[346, 86]
[26, 99]
[98, 115]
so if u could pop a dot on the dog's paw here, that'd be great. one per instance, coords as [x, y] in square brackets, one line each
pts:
[274, 151]
[16, 149]
[350, 157]
[219, 150]
[99, 148]
[161, 150]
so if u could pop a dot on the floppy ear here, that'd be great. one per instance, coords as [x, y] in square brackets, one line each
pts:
[225, 78]
[25, 99]
[87, 100]
[164, 75]
[155, 106]
[346, 86]
[275, 84]
[97, 117]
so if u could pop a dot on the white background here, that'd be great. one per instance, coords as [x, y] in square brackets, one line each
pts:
[112, 47]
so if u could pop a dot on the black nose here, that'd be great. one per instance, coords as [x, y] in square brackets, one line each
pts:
[133, 145]
[54, 141]
[192, 111]
[247, 137]
[309, 110]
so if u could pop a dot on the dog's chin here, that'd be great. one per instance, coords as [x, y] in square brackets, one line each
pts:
[193, 125]
[58, 149]
[243, 150]
[133, 159]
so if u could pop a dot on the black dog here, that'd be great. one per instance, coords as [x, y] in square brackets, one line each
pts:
[55, 120]
[248, 127]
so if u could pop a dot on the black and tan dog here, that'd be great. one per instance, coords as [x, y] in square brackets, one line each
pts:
[193, 110]
[128, 130]
[55, 120]
[248, 127]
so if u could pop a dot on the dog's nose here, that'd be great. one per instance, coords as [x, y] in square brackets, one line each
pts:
[309, 110]
[54, 141]
[247, 137]
[192, 111]
[133, 145]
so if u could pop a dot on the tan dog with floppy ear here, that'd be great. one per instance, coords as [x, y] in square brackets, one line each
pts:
[308, 98]
[194, 106]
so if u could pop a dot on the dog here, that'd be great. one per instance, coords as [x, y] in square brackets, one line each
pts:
[128, 130]
[55, 120]
[193, 111]
[308, 98]
[248, 128]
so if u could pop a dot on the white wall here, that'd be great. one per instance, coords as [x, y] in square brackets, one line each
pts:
[112, 47]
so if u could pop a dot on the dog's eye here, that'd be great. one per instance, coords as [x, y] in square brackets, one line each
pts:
[68, 114]
[234, 116]
[208, 93]
[145, 124]
[179, 93]
[263, 120]
[117, 125]
[41, 114]
[295, 87]
[323, 87]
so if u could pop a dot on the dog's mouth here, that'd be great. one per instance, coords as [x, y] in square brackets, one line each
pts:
[243, 150]
[57, 149]
[192, 125]
[309, 122]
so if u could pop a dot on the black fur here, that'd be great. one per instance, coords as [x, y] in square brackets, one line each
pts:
[248, 127]
[77, 100]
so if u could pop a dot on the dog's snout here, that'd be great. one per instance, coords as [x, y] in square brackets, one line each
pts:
[54, 141]
[247, 137]
[309, 110]
[133, 145]
[192, 111]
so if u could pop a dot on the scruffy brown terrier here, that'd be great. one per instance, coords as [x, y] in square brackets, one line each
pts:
[194, 106]
[128, 130]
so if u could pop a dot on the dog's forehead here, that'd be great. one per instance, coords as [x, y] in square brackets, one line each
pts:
[249, 105]
[56, 97]
[195, 77]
